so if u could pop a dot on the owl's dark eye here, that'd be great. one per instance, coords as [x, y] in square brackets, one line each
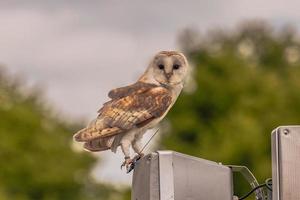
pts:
[161, 66]
[176, 66]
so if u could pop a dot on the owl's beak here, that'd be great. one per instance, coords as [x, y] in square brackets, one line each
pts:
[168, 75]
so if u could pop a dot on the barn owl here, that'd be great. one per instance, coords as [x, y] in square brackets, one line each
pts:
[134, 109]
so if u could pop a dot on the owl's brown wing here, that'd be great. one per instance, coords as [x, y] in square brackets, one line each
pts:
[137, 109]
[137, 87]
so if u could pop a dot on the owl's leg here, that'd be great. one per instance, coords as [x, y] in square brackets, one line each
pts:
[137, 145]
[125, 146]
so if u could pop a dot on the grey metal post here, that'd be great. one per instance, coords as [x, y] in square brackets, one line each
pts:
[286, 163]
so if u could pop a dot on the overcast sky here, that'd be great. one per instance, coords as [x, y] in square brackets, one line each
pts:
[78, 50]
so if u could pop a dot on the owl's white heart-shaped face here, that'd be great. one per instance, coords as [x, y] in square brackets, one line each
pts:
[169, 68]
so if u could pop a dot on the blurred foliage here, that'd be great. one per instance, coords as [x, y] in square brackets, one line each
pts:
[245, 83]
[36, 155]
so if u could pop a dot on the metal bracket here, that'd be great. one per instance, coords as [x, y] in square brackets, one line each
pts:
[259, 193]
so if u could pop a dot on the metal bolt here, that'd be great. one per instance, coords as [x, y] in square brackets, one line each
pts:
[286, 131]
[235, 198]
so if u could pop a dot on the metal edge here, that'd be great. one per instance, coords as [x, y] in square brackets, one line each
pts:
[275, 163]
[200, 159]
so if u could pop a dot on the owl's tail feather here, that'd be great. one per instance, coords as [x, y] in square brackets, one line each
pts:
[101, 144]
[96, 129]
[84, 135]
[91, 133]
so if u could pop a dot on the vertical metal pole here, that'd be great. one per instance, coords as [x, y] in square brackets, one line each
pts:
[286, 163]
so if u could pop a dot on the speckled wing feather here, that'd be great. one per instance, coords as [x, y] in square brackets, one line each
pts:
[129, 108]
[136, 109]
[135, 88]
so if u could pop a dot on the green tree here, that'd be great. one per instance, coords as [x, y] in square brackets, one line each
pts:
[37, 161]
[245, 84]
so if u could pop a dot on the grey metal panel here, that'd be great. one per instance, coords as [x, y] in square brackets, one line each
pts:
[154, 177]
[286, 163]
[169, 175]
[199, 179]
[166, 175]
[145, 180]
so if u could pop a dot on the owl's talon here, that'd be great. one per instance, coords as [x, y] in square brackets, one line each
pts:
[127, 163]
